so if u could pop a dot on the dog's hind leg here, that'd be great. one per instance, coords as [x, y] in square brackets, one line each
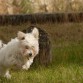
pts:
[7, 75]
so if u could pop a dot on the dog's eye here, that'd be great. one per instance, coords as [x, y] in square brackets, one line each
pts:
[23, 38]
[26, 47]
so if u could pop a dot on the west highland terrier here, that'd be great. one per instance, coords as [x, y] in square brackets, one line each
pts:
[18, 51]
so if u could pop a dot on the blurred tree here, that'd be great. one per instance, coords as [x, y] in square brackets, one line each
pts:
[35, 6]
[26, 6]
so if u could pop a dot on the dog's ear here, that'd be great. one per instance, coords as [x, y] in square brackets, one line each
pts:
[35, 32]
[20, 35]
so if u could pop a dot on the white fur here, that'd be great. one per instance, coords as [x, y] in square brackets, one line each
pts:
[9, 56]
[7, 75]
[31, 40]
[28, 63]
[15, 52]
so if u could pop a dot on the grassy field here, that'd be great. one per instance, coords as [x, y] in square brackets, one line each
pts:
[67, 53]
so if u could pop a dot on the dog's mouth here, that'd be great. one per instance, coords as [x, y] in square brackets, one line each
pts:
[28, 56]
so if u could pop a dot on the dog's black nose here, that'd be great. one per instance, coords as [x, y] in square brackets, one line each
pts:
[30, 54]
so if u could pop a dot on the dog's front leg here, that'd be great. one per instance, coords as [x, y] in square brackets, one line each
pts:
[28, 64]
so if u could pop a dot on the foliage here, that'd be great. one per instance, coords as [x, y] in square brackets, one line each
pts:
[26, 7]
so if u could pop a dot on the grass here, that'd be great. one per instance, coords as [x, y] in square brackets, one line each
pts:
[68, 54]
[67, 51]
[54, 74]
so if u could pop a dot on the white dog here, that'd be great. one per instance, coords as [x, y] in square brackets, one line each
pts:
[17, 51]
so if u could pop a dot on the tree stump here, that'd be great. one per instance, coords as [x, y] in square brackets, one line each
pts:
[44, 57]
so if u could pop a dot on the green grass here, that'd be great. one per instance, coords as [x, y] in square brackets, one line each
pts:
[59, 74]
[67, 52]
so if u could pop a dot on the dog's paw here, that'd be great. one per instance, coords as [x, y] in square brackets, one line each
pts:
[25, 67]
[7, 75]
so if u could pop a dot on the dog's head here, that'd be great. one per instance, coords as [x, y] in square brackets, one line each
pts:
[29, 42]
